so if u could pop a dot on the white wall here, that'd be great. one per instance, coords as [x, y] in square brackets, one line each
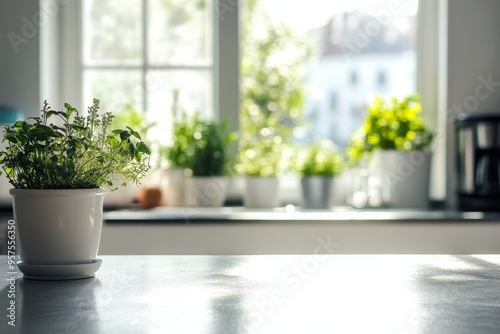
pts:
[473, 52]
[19, 62]
[302, 237]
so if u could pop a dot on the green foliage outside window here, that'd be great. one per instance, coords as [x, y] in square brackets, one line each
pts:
[272, 76]
[132, 117]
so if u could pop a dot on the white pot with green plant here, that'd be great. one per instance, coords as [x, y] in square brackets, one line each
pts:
[396, 143]
[59, 172]
[208, 162]
[262, 164]
[175, 192]
[200, 157]
[317, 165]
[273, 95]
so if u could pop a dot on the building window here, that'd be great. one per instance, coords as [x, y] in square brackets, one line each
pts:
[353, 78]
[382, 79]
[334, 101]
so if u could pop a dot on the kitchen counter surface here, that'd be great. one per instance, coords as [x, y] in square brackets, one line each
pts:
[264, 294]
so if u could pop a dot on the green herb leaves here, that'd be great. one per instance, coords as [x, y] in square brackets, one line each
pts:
[65, 150]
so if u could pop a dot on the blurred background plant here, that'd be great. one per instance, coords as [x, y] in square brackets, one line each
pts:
[321, 158]
[133, 118]
[396, 124]
[202, 146]
[272, 73]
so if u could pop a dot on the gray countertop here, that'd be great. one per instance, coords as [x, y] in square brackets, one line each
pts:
[264, 294]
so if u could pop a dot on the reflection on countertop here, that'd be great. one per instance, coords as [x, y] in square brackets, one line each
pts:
[266, 294]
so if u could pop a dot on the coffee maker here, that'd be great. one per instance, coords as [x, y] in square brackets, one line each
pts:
[478, 161]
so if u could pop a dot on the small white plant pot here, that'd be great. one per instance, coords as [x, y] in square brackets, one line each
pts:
[261, 192]
[209, 191]
[404, 177]
[173, 187]
[58, 226]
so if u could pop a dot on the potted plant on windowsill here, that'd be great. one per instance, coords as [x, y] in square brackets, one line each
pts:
[317, 165]
[396, 142]
[208, 162]
[174, 189]
[273, 96]
[262, 164]
[59, 172]
[201, 151]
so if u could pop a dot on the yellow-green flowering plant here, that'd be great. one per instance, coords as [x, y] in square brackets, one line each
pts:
[391, 125]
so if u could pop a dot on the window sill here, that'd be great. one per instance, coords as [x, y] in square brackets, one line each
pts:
[291, 214]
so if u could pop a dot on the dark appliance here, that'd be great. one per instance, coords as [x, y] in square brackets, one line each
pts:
[478, 161]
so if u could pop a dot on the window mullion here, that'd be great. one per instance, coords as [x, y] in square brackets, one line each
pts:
[226, 69]
[145, 50]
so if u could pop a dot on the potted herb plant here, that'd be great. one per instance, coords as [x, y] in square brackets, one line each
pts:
[208, 162]
[317, 165]
[60, 165]
[262, 164]
[174, 187]
[397, 142]
[201, 151]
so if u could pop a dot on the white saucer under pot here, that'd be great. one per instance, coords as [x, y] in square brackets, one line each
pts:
[58, 272]
[59, 231]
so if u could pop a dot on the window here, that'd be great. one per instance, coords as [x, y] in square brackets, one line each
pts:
[352, 42]
[361, 36]
[382, 79]
[159, 54]
[155, 55]
[334, 101]
[353, 78]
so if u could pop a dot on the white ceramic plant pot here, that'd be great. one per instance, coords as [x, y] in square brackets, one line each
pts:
[58, 226]
[404, 177]
[261, 192]
[209, 191]
[173, 187]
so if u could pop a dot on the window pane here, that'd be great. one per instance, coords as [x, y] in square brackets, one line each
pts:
[362, 48]
[112, 32]
[115, 88]
[188, 91]
[180, 32]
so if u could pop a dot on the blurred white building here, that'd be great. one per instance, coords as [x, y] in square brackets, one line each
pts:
[358, 58]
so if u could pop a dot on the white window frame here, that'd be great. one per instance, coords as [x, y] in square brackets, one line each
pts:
[432, 85]
[225, 64]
